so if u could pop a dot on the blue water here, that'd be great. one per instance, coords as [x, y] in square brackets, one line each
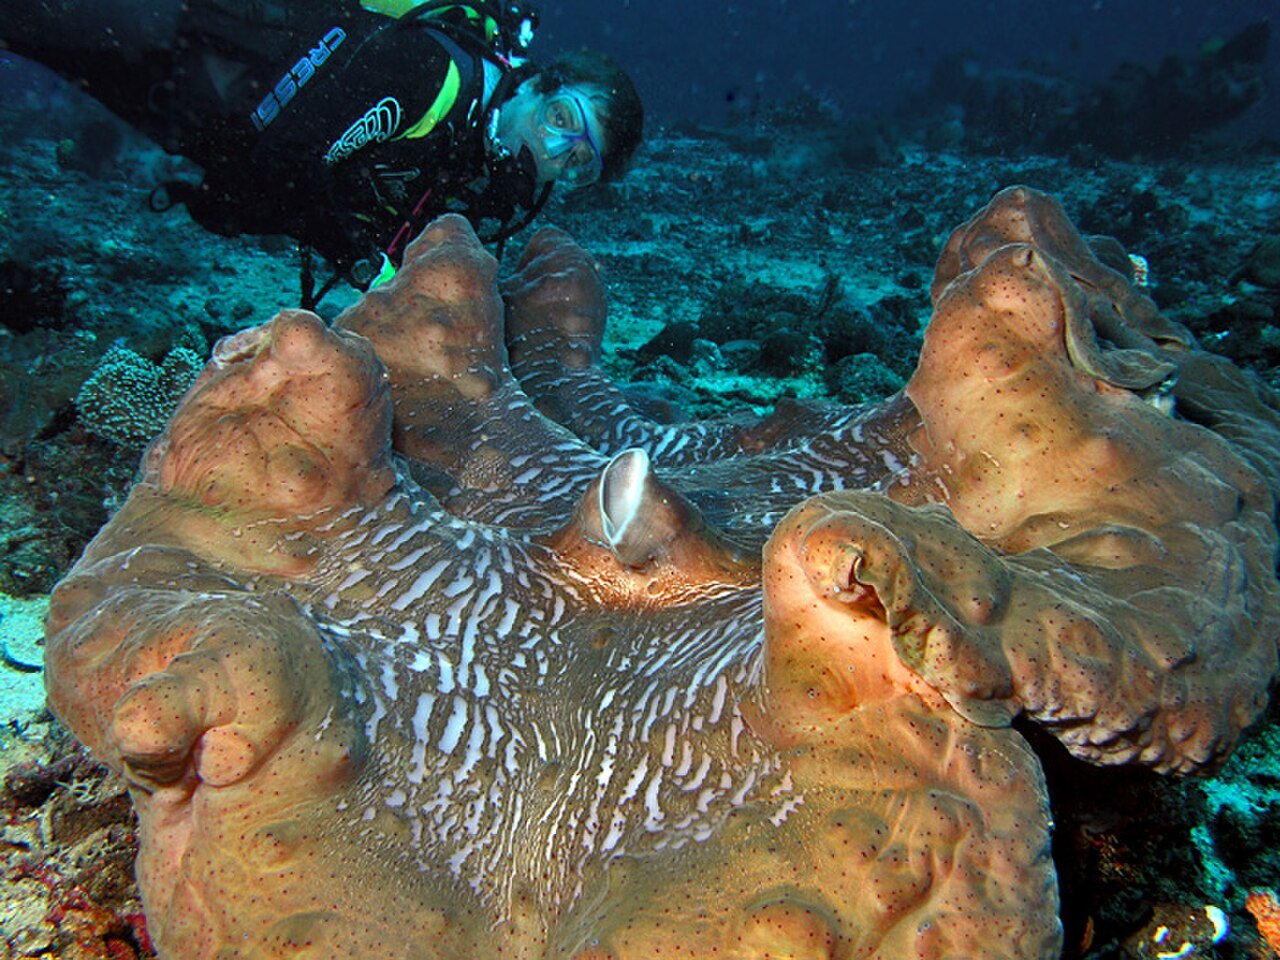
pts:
[697, 59]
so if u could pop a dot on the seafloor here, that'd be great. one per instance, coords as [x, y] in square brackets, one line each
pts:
[787, 254]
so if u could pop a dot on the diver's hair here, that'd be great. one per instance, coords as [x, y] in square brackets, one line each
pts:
[623, 120]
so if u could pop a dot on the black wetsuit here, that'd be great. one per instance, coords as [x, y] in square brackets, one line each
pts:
[317, 128]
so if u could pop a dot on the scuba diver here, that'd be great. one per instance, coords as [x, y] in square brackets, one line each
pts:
[347, 125]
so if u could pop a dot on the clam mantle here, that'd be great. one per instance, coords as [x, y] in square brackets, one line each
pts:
[414, 640]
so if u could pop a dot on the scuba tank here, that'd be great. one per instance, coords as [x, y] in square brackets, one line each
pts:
[506, 25]
[499, 31]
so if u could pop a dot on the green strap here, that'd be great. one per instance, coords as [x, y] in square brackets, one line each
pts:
[385, 273]
[397, 9]
[440, 107]
[391, 8]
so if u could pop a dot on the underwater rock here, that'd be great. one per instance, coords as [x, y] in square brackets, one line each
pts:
[32, 297]
[1262, 266]
[1139, 110]
[675, 340]
[862, 378]
[396, 665]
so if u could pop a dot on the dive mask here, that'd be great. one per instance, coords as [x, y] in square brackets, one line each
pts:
[570, 130]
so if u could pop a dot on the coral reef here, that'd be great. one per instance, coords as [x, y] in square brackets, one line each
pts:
[127, 399]
[1139, 110]
[31, 296]
[394, 663]
[67, 857]
[1264, 906]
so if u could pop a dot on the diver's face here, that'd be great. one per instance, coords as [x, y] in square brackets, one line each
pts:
[563, 131]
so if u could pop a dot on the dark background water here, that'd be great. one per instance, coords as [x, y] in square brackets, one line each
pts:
[716, 60]
[701, 59]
